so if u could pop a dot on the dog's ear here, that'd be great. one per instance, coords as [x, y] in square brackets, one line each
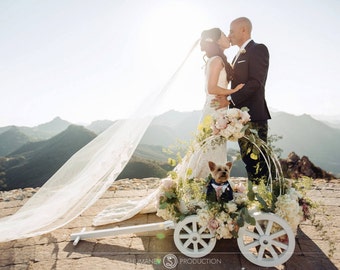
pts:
[229, 164]
[212, 166]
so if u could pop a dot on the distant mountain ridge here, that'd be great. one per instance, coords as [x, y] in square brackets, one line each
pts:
[302, 134]
[332, 121]
[13, 137]
[27, 160]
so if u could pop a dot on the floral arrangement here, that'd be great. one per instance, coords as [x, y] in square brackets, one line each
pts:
[180, 197]
[243, 51]
[226, 124]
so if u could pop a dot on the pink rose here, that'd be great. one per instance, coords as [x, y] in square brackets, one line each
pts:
[215, 130]
[245, 117]
[239, 188]
[213, 224]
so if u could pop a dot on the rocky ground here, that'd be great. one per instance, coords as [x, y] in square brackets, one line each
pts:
[316, 244]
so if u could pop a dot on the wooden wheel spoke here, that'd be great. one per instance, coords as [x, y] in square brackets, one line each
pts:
[252, 245]
[269, 227]
[259, 228]
[195, 247]
[273, 253]
[202, 230]
[183, 236]
[187, 243]
[187, 229]
[261, 252]
[278, 234]
[280, 244]
[206, 236]
[251, 234]
[194, 226]
[203, 243]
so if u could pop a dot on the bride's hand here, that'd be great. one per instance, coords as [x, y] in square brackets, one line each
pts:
[219, 102]
[238, 87]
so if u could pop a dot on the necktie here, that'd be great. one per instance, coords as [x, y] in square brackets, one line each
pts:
[238, 55]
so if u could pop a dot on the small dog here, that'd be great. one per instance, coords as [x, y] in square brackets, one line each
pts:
[219, 188]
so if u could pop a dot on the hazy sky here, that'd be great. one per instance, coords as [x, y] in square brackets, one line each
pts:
[86, 60]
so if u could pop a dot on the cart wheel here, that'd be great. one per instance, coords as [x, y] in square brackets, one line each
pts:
[263, 247]
[193, 240]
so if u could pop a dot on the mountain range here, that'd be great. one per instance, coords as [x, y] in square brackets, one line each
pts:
[302, 134]
[30, 155]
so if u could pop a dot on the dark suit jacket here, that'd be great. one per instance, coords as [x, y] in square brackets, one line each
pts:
[226, 196]
[251, 68]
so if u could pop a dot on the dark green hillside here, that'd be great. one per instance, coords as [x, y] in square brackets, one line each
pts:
[29, 147]
[12, 139]
[39, 163]
[141, 168]
[151, 152]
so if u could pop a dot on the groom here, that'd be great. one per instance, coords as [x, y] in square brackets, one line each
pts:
[251, 68]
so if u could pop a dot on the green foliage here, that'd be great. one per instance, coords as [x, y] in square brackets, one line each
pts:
[251, 193]
[170, 197]
[303, 184]
[263, 195]
[245, 217]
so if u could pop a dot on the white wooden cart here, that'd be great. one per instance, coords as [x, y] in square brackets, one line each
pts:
[256, 242]
[270, 242]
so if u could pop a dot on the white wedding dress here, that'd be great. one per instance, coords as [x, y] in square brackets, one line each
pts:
[196, 161]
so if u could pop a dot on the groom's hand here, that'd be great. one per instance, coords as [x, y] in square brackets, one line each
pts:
[219, 102]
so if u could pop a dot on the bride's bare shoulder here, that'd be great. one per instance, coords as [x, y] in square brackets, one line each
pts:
[216, 61]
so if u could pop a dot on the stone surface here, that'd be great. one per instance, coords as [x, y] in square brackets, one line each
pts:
[316, 244]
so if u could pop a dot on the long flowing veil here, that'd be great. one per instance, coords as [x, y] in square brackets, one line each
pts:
[86, 175]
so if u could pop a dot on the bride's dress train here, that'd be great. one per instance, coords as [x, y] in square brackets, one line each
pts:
[81, 181]
[196, 160]
[91, 171]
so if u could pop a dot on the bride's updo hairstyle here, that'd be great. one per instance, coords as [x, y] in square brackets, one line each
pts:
[209, 45]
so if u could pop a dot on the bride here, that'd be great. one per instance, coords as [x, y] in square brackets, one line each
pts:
[218, 73]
